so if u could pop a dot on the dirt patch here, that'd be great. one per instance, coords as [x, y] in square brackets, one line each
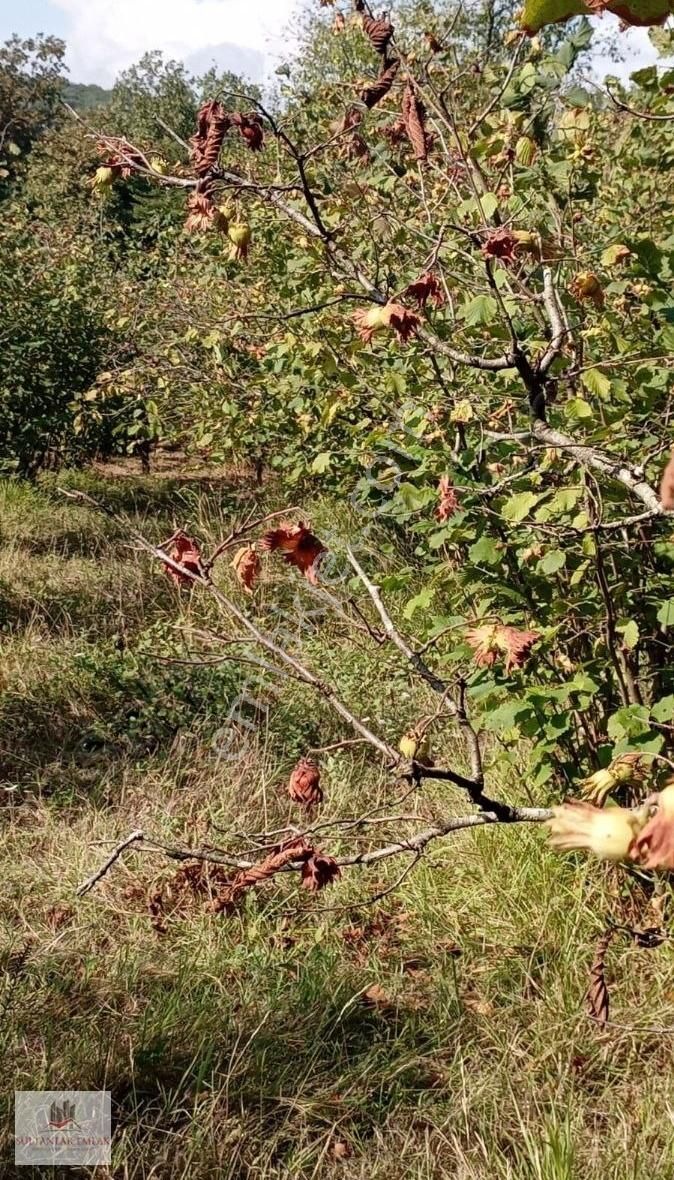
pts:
[177, 465]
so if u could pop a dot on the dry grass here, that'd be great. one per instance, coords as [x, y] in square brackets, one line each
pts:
[247, 1046]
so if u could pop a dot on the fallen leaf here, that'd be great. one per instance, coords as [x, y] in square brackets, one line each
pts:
[340, 1150]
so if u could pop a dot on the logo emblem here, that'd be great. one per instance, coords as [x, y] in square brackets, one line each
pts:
[62, 1114]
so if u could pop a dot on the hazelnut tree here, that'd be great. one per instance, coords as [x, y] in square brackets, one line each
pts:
[438, 278]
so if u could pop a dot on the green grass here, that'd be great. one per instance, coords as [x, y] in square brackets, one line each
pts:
[246, 1046]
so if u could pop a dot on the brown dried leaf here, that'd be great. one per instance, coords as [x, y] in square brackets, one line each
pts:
[304, 784]
[318, 871]
[250, 129]
[246, 565]
[448, 501]
[201, 210]
[375, 997]
[395, 133]
[478, 1004]
[427, 287]
[388, 315]
[340, 1150]
[357, 149]
[186, 553]
[379, 31]
[124, 159]
[155, 907]
[213, 122]
[598, 995]
[494, 640]
[58, 915]
[372, 93]
[500, 243]
[299, 546]
[414, 118]
[586, 287]
[294, 850]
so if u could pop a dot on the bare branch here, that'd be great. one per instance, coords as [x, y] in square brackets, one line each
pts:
[260, 637]
[622, 106]
[617, 469]
[559, 331]
[415, 844]
[133, 838]
[474, 785]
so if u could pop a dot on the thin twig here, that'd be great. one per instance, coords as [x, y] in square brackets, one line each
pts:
[133, 838]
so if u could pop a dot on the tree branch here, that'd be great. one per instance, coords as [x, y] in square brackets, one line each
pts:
[631, 477]
[133, 838]
[456, 710]
[415, 844]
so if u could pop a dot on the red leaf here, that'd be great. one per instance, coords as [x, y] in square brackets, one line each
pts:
[667, 485]
[304, 784]
[448, 502]
[426, 287]
[299, 547]
[186, 553]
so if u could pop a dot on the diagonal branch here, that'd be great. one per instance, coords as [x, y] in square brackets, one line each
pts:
[260, 637]
[631, 477]
[454, 708]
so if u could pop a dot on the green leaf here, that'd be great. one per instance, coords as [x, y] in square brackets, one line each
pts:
[578, 408]
[489, 204]
[663, 40]
[647, 78]
[666, 613]
[597, 383]
[506, 715]
[543, 775]
[480, 310]
[647, 743]
[421, 601]
[629, 722]
[397, 382]
[563, 501]
[484, 552]
[663, 710]
[552, 562]
[579, 573]
[577, 96]
[322, 462]
[630, 634]
[517, 507]
[584, 684]
[415, 498]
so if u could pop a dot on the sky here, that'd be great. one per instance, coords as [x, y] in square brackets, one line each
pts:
[106, 36]
[245, 36]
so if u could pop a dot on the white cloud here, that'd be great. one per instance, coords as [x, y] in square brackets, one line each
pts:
[106, 36]
[633, 45]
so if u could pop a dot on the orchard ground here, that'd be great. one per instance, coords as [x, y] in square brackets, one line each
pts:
[439, 1032]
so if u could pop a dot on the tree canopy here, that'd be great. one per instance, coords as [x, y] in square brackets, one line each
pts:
[431, 273]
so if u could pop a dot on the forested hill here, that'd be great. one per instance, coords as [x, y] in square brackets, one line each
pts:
[85, 96]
